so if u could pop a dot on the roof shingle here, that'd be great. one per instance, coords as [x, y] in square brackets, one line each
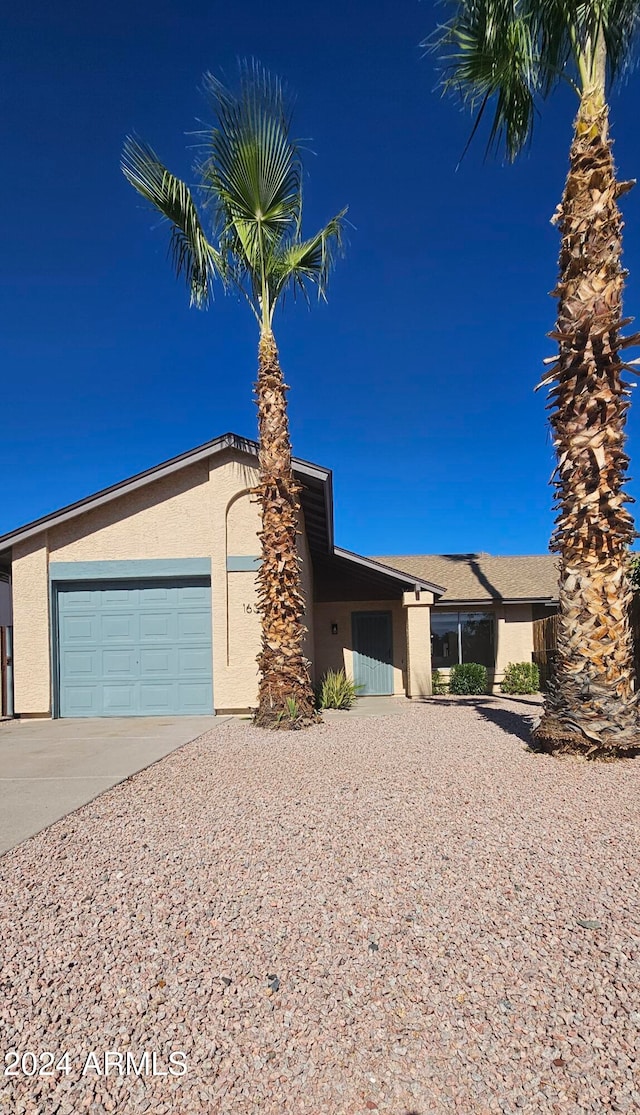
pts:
[483, 577]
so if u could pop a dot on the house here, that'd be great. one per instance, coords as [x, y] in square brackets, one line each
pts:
[487, 611]
[141, 599]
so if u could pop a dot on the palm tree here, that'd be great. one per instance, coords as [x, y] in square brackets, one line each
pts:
[508, 55]
[250, 181]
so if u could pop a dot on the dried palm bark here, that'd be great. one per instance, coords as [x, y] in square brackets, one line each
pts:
[592, 708]
[284, 671]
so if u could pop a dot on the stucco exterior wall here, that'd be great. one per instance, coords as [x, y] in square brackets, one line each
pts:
[31, 654]
[170, 518]
[514, 642]
[418, 620]
[335, 652]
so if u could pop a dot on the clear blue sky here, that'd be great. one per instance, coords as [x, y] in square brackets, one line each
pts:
[415, 382]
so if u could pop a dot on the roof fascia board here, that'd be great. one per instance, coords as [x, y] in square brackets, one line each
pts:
[124, 487]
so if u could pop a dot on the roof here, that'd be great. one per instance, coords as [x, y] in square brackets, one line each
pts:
[316, 496]
[480, 578]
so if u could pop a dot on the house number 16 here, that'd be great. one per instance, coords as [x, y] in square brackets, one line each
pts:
[247, 609]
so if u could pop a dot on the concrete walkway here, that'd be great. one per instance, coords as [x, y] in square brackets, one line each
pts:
[48, 768]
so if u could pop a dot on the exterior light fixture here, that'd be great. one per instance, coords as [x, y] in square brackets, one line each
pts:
[334, 628]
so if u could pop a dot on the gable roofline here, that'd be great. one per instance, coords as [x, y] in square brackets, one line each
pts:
[304, 469]
[409, 580]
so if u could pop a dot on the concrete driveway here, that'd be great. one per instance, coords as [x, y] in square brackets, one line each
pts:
[48, 768]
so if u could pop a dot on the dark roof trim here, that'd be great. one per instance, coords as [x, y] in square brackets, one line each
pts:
[191, 457]
[407, 579]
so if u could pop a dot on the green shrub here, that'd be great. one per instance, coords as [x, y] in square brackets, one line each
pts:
[336, 690]
[468, 677]
[438, 684]
[521, 677]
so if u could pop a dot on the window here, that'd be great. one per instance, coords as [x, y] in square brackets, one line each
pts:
[462, 637]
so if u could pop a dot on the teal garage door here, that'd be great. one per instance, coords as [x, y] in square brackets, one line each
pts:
[135, 648]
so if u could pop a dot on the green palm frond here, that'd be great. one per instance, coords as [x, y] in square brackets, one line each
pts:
[507, 54]
[193, 256]
[304, 262]
[488, 55]
[251, 181]
[252, 170]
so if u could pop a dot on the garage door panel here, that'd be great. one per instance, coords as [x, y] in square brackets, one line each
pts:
[157, 699]
[118, 700]
[194, 662]
[192, 626]
[158, 626]
[121, 663]
[116, 597]
[83, 700]
[136, 649]
[78, 629]
[191, 696]
[158, 662]
[119, 628]
[81, 664]
[191, 594]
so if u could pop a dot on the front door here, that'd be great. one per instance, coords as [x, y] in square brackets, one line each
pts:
[372, 653]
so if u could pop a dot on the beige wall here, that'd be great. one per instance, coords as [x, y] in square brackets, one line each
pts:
[170, 518]
[334, 652]
[31, 655]
[514, 642]
[418, 618]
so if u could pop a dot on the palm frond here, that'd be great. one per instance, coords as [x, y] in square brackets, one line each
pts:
[308, 262]
[489, 55]
[509, 53]
[253, 170]
[193, 256]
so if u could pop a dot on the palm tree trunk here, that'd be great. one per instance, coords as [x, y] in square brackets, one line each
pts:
[284, 671]
[592, 707]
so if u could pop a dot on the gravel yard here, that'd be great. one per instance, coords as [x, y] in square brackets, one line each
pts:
[406, 914]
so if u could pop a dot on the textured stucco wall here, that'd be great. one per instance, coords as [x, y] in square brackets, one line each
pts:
[170, 518]
[418, 620]
[335, 652]
[514, 635]
[31, 667]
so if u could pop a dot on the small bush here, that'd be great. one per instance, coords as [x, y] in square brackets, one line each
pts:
[521, 677]
[438, 684]
[336, 690]
[468, 677]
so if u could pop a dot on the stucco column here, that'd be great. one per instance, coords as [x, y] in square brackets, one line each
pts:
[418, 610]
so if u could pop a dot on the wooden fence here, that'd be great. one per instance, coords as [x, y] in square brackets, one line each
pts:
[545, 640]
